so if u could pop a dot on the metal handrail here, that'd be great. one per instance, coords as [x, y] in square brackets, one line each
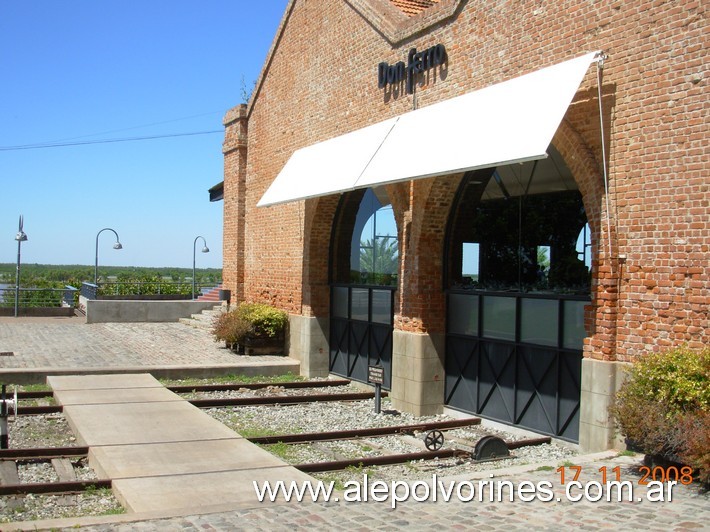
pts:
[38, 297]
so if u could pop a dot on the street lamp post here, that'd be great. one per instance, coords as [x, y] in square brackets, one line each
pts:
[205, 249]
[117, 245]
[20, 237]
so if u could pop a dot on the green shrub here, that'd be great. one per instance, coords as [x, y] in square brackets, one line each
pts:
[231, 329]
[266, 321]
[249, 320]
[664, 406]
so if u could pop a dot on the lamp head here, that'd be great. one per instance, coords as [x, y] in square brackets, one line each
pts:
[205, 249]
[117, 245]
[21, 236]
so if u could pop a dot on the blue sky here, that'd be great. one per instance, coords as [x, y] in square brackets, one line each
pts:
[84, 70]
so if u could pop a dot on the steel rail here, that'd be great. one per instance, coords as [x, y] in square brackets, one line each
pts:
[43, 453]
[37, 410]
[530, 442]
[282, 399]
[256, 386]
[363, 433]
[34, 395]
[186, 388]
[317, 467]
[53, 487]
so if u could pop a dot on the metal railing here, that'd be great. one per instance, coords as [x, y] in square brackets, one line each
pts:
[38, 297]
[139, 288]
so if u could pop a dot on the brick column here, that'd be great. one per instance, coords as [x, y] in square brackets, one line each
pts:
[234, 149]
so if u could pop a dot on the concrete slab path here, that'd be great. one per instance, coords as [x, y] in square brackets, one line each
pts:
[162, 453]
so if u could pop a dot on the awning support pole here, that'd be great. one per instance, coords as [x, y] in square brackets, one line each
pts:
[601, 56]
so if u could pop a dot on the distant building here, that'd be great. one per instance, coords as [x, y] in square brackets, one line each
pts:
[422, 185]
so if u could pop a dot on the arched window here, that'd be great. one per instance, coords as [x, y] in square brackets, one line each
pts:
[374, 252]
[520, 228]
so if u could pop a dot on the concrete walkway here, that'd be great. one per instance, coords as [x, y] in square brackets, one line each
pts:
[162, 453]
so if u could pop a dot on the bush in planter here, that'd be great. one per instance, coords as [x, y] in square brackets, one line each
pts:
[265, 321]
[249, 321]
[663, 407]
[231, 328]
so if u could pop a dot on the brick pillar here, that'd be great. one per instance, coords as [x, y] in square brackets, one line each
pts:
[234, 149]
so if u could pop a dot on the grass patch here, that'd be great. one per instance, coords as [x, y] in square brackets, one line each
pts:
[233, 379]
[33, 388]
[257, 432]
[626, 453]
[338, 483]
[545, 468]
[282, 450]
[117, 510]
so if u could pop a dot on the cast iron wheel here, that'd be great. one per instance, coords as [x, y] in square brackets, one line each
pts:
[434, 440]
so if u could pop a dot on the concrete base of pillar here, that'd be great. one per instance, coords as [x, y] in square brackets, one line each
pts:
[307, 342]
[600, 381]
[418, 373]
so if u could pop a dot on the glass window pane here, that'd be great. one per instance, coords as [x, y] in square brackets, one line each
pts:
[538, 321]
[382, 306]
[499, 317]
[359, 304]
[573, 331]
[470, 263]
[374, 255]
[463, 314]
[340, 302]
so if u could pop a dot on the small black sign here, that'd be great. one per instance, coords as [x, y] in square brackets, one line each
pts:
[376, 374]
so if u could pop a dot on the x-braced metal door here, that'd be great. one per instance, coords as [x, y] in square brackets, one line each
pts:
[517, 360]
[361, 323]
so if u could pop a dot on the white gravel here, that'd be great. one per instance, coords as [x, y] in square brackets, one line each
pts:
[50, 430]
[253, 421]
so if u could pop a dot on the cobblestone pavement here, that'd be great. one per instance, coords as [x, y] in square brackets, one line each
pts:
[72, 343]
[689, 509]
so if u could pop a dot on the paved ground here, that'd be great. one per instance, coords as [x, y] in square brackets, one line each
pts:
[71, 342]
[68, 343]
[44, 346]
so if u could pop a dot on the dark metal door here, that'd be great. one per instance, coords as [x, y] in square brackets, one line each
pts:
[511, 361]
[361, 322]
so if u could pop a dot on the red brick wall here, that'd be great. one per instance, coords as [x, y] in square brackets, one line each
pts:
[320, 81]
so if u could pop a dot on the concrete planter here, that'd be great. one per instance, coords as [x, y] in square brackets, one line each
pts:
[262, 346]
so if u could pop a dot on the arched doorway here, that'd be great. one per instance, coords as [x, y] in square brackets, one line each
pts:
[364, 267]
[518, 277]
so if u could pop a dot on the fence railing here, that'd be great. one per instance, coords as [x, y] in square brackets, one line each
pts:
[114, 289]
[38, 297]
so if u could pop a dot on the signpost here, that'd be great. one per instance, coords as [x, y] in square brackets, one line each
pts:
[376, 376]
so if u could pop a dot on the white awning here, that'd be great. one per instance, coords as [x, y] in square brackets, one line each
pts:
[510, 122]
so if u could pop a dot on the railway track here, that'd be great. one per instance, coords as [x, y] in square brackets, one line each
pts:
[59, 457]
[433, 432]
[226, 401]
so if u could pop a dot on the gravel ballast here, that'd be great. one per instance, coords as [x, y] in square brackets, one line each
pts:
[52, 430]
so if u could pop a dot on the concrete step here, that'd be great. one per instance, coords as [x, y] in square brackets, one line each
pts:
[211, 295]
[205, 319]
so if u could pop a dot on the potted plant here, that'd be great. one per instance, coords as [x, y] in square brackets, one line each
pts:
[252, 329]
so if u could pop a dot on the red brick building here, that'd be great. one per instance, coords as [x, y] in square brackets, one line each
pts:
[409, 221]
